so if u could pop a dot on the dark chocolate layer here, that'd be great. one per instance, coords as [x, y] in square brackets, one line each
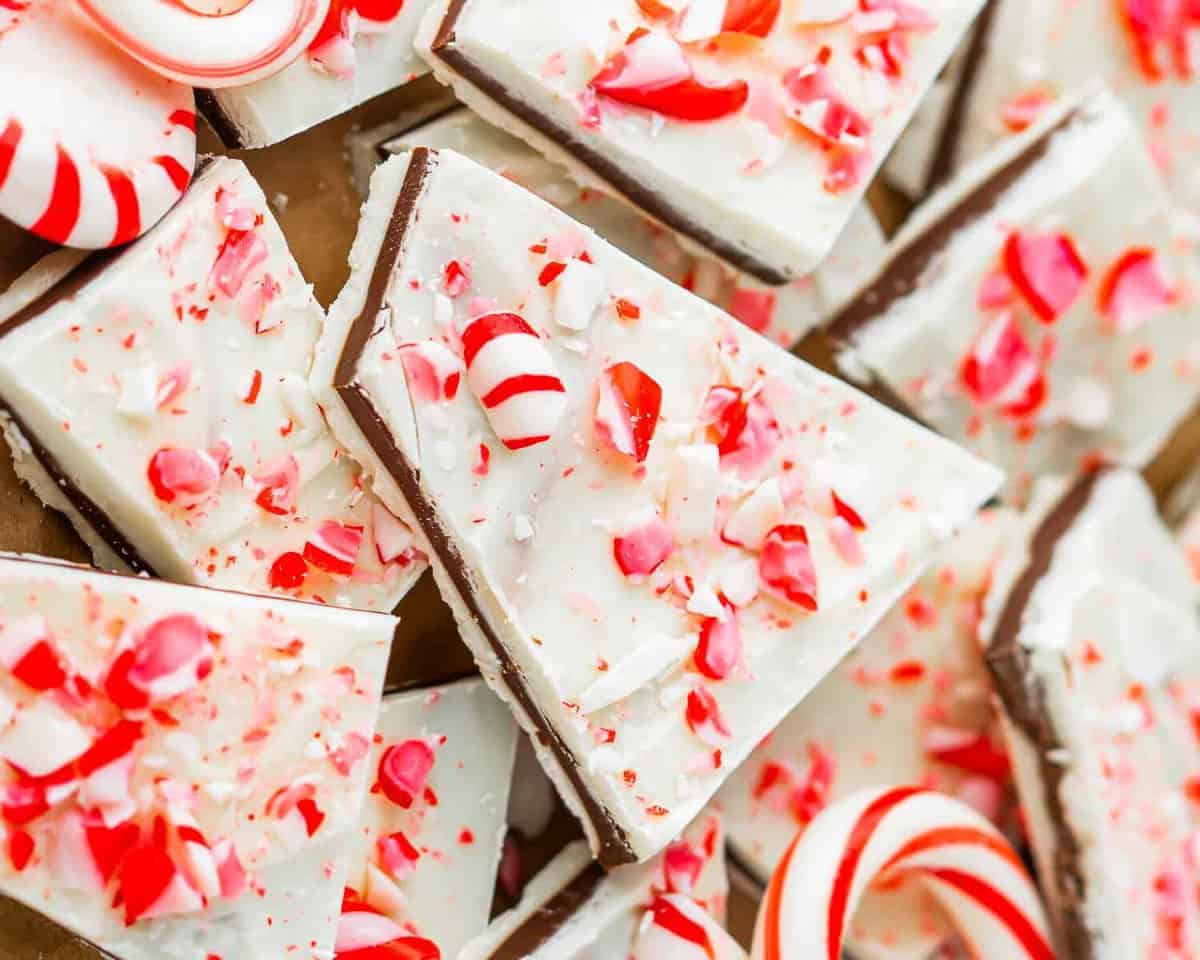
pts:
[945, 153]
[1009, 663]
[614, 845]
[903, 272]
[551, 916]
[622, 181]
[221, 123]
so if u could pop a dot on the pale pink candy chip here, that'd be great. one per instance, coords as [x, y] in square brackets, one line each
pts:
[241, 253]
[363, 929]
[347, 756]
[845, 541]
[682, 865]
[173, 384]
[231, 213]
[719, 651]
[397, 856]
[755, 308]
[333, 547]
[641, 551]
[1047, 270]
[785, 567]
[653, 61]
[403, 770]
[183, 476]
[279, 485]
[234, 881]
[394, 542]
[431, 370]
[996, 290]
[1134, 290]
[336, 55]
[1002, 370]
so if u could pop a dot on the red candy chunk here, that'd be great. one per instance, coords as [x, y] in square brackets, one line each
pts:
[433, 373]
[1161, 32]
[653, 72]
[628, 402]
[152, 886]
[333, 547]
[1047, 270]
[674, 921]
[184, 475]
[720, 648]
[842, 509]
[166, 658]
[745, 431]
[287, 572]
[682, 864]
[280, 485]
[1134, 290]
[752, 17]
[27, 650]
[1002, 371]
[968, 751]
[786, 569]
[403, 769]
[397, 855]
[704, 718]
[641, 551]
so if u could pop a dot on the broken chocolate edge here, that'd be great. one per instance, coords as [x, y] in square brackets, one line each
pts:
[945, 154]
[615, 849]
[221, 122]
[626, 185]
[1023, 697]
[540, 926]
[903, 271]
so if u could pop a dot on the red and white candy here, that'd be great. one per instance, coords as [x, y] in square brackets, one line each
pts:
[676, 927]
[885, 834]
[512, 374]
[209, 43]
[94, 148]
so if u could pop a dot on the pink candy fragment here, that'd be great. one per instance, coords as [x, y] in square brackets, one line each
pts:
[1047, 270]
[1134, 290]
[785, 567]
[403, 770]
[641, 551]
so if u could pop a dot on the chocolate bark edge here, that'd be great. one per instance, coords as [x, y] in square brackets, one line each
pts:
[541, 925]
[1024, 701]
[614, 847]
[221, 122]
[945, 154]
[902, 273]
[625, 184]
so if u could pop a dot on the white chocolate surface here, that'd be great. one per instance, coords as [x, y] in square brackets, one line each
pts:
[86, 375]
[237, 742]
[1112, 391]
[783, 314]
[760, 176]
[457, 824]
[537, 526]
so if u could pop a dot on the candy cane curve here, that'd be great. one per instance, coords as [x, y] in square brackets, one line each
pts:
[883, 834]
[249, 44]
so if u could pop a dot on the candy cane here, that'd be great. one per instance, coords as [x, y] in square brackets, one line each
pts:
[880, 834]
[94, 155]
[257, 39]
[512, 374]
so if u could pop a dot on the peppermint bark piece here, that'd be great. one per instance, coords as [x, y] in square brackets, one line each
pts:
[423, 862]
[183, 768]
[783, 314]
[1096, 656]
[1030, 54]
[910, 706]
[158, 397]
[1025, 315]
[364, 48]
[657, 530]
[791, 108]
[573, 910]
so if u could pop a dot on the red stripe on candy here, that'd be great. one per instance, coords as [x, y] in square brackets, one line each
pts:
[773, 902]
[487, 328]
[522, 442]
[62, 212]
[860, 836]
[954, 836]
[183, 118]
[129, 218]
[522, 383]
[1003, 909]
[9, 140]
[179, 174]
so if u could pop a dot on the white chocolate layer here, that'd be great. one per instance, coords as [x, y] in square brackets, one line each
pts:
[608, 922]
[379, 57]
[783, 314]
[1043, 50]
[1111, 652]
[1113, 385]
[157, 353]
[456, 824]
[912, 705]
[749, 178]
[246, 701]
[608, 659]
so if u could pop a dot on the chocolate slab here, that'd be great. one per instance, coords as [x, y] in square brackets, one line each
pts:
[615, 848]
[549, 918]
[621, 181]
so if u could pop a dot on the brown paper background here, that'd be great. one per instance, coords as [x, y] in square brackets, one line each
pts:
[308, 180]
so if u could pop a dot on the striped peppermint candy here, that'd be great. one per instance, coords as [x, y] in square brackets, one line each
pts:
[94, 148]
[511, 373]
[882, 834]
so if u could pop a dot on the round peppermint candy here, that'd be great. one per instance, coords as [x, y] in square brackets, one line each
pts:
[94, 148]
[210, 43]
